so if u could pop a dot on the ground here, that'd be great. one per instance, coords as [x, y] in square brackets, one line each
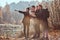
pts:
[53, 35]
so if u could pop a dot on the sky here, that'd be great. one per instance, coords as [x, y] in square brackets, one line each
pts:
[3, 2]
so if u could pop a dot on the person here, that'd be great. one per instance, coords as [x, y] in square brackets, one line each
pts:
[26, 22]
[36, 23]
[43, 15]
[1, 38]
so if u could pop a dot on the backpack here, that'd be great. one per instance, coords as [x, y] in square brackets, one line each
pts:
[42, 14]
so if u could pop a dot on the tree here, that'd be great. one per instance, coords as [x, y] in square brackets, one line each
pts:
[54, 8]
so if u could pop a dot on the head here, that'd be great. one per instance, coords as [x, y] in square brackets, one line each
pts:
[39, 6]
[36, 8]
[33, 8]
[27, 9]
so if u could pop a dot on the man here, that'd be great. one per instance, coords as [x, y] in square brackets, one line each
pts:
[26, 22]
[43, 15]
[36, 22]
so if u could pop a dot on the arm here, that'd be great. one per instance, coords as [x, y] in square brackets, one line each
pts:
[32, 14]
[20, 11]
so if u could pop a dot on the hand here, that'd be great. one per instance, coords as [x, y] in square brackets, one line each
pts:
[33, 15]
[15, 10]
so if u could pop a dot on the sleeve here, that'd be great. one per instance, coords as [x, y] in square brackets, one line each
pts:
[47, 12]
[21, 12]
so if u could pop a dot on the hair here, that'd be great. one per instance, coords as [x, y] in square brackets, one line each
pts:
[36, 6]
[33, 6]
[28, 8]
[40, 6]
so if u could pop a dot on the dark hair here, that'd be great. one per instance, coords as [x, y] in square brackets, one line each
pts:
[28, 8]
[33, 6]
[40, 6]
[36, 6]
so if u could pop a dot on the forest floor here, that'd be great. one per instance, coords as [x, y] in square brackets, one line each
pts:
[53, 35]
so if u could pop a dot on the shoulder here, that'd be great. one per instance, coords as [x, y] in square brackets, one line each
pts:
[45, 10]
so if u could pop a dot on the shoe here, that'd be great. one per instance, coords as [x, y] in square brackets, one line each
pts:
[43, 38]
[35, 37]
[47, 38]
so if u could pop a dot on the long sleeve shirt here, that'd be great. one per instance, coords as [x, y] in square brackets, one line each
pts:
[26, 18]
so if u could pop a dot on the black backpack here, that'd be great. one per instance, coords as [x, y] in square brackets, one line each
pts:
[42, 14]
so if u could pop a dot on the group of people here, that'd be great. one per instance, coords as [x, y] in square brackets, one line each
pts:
[40, 17]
